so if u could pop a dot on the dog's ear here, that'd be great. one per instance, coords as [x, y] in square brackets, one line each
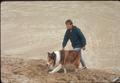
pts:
[53, 52]
[49, 54]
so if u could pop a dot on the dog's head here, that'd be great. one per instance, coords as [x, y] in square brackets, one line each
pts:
[51, 58]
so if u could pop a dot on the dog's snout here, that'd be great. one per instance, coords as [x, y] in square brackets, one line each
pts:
[47, 64]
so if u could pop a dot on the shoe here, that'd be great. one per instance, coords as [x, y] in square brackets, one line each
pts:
[84, 68]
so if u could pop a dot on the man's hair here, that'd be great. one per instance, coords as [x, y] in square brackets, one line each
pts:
[69, 21]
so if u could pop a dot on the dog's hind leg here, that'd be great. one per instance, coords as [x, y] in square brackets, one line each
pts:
[77, 65]
[56, 69]
[77, 68]
[65, 71]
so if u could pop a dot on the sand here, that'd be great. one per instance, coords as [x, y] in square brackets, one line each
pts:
[16, 70]
[31, 29]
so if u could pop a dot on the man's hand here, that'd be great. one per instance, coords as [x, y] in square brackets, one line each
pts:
[83, 48]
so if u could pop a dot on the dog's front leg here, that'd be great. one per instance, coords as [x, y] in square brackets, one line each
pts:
[56, 69]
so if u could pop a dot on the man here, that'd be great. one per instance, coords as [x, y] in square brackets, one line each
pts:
[76, 37]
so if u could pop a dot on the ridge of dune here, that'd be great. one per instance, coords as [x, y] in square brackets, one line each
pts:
[17, 70]
[31, 29]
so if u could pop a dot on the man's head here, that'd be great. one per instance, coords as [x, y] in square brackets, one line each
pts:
[69, 24]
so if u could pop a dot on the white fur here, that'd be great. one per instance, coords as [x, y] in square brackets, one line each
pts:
[57, 58]
[56, 69]
[65, 71]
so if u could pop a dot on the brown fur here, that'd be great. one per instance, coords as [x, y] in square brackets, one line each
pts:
[66, 57]
[70, 57]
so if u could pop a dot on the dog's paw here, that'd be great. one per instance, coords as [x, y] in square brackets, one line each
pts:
[51, 72]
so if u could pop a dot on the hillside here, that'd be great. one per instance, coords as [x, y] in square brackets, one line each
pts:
[16, 70]
[31, 29]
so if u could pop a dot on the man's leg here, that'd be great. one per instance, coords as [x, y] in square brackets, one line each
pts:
[81, 59]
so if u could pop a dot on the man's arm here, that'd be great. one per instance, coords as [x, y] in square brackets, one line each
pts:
[65, 40]
[82, 37]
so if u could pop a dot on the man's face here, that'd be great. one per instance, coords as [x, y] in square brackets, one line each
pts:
[69, 26]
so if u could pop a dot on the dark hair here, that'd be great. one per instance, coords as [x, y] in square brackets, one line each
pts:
[69, 21]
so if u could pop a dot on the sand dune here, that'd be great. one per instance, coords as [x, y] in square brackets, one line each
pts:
[30, 29]
[16, 70]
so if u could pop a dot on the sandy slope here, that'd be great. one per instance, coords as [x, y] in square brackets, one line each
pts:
[16, 70]
[30, 29]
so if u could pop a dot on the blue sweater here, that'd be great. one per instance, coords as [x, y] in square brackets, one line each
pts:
[76, 37]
